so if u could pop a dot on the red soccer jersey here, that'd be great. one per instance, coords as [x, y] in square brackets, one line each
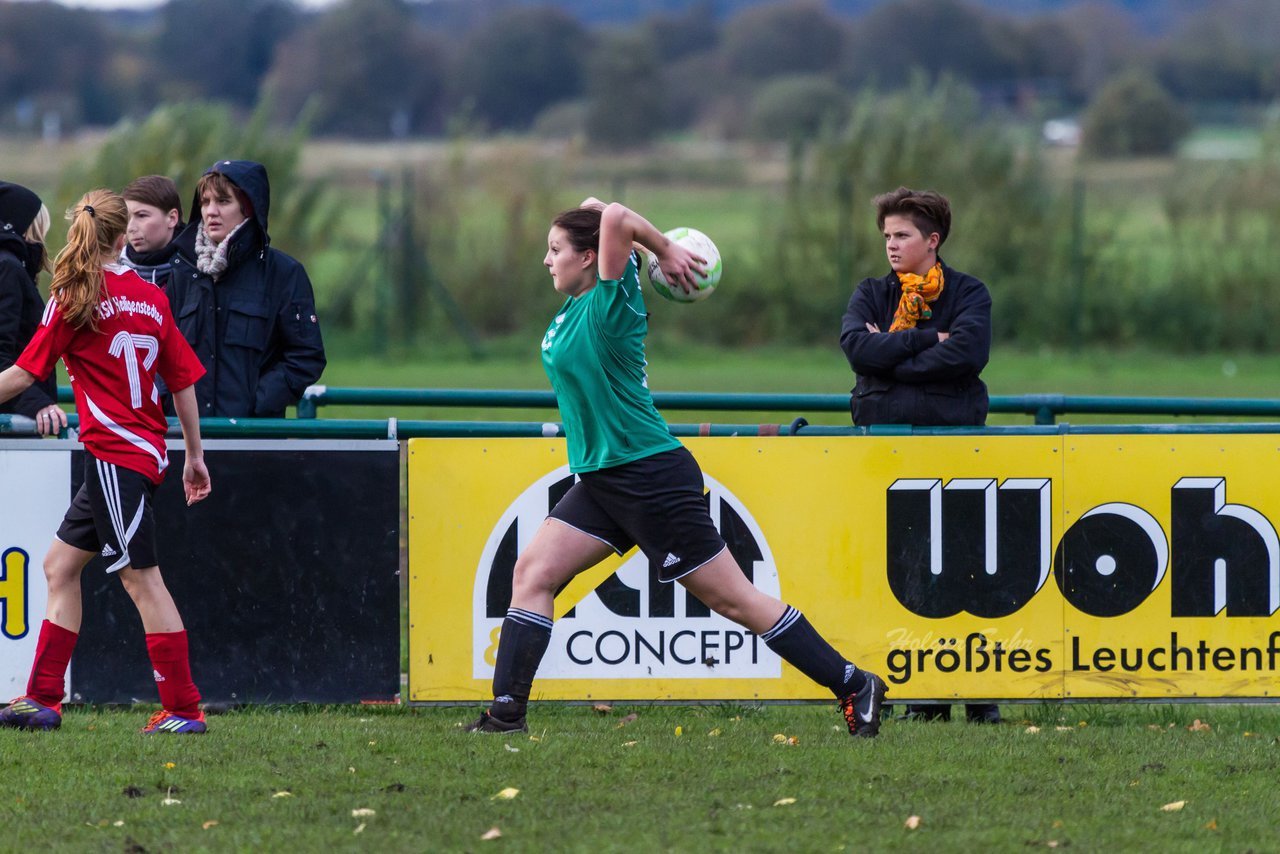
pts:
[113, 370]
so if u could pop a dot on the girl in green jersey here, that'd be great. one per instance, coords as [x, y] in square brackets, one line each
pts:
[637, 484]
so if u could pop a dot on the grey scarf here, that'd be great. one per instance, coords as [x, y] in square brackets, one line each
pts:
[211, 258]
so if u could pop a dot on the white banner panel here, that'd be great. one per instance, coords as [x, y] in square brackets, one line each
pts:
[34, 494]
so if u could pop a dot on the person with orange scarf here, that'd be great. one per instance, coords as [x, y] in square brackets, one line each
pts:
[918, 339]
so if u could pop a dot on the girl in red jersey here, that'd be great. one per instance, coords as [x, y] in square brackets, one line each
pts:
[114, 332]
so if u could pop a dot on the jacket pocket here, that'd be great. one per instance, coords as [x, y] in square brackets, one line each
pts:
[189, 306]
[248, 325]
[871, 386]
[871, 402]
[954, 404]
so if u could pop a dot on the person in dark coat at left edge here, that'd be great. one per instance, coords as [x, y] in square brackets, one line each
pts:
[246, 308]
[24, 220]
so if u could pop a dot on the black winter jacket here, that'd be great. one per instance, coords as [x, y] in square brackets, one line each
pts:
[21, 309]
[909, 376]
[255, 329]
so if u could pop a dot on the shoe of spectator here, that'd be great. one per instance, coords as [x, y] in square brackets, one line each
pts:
[982, 713]
[926, 712]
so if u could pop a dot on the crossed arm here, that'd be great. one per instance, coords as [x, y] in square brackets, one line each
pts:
[917, 355]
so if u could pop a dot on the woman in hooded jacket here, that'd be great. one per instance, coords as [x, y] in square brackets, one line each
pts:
[24, 221]
[246, 308]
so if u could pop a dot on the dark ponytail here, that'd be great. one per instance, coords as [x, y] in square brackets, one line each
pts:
[583, 227]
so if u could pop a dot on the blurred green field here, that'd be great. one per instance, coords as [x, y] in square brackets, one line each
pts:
[676, 366]
[1163, 256]
[485, 205]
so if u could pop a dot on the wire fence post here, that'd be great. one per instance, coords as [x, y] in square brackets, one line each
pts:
[407, 304]
[1077, 262]
[382, 285]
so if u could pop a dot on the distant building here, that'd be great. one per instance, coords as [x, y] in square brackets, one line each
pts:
[1061, 132]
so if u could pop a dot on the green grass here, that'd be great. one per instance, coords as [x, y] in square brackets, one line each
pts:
[593, 782]
[1216, 142]
[675, 366]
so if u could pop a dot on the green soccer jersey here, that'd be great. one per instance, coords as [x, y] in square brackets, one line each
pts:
[593, 353]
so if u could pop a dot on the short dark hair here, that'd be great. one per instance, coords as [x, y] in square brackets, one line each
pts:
[583, 227]
[221, 184]
[155, 190]
[930, 211]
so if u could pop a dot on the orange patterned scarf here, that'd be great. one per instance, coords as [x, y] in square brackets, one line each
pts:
[917, 293]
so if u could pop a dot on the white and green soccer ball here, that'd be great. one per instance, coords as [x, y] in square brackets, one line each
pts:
[699, 244]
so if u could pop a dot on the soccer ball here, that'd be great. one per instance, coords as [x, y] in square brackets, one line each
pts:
[699, 244]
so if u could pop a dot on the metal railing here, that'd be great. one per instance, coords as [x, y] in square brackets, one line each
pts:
[1045, 409]
[396, 428]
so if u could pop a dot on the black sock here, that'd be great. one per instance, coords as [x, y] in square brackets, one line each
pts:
[523, 642]
[800, 645]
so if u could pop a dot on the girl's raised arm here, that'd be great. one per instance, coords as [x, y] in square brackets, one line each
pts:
[621, 228]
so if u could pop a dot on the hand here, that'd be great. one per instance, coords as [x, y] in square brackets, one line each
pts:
[592, 203]
[943, 336]
[872, 328]
[195, 480]
[679, 266]
[50, 420]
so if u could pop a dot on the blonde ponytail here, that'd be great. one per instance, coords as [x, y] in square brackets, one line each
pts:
[97, 221]
[36, 234]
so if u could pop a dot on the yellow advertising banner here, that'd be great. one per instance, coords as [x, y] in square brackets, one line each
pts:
[957, 567]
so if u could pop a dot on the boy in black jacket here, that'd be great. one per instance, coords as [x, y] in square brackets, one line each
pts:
[918, 339]
[155, 220]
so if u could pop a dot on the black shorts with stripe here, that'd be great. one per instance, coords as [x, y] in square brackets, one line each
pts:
[111, 514]
[658, 503]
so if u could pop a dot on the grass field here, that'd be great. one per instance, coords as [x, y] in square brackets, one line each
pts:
[641, 778]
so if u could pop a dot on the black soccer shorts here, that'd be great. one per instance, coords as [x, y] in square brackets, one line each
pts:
[657, 502]
[111, 514]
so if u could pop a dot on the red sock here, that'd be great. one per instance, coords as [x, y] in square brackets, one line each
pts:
[178, 694]
[48, 682]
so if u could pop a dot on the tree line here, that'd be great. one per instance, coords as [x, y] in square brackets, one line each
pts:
[388, 68]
